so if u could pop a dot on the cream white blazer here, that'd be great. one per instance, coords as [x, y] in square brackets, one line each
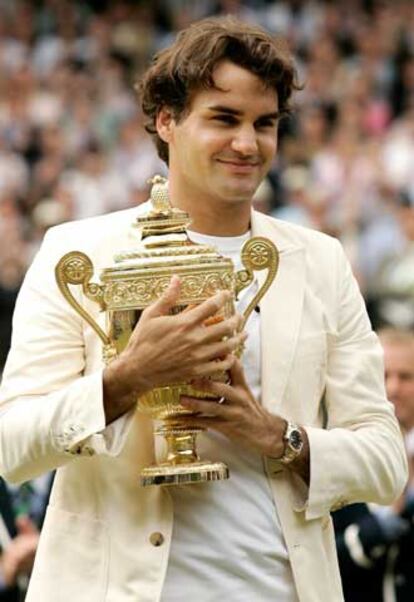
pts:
[322, 367]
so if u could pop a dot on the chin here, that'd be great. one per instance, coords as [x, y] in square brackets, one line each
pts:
[240, 193]
[239, 197]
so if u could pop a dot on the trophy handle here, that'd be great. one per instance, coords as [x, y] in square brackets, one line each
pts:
[76, 268]
[258, 253]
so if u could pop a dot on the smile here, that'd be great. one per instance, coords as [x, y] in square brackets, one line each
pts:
[239, 166]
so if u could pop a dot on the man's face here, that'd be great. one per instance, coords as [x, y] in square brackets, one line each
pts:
[223, 147]
[399, 380]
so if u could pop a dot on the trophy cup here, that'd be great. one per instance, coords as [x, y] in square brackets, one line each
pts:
[137, 278]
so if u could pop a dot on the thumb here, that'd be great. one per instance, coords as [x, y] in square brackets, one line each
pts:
[168, 299]
[25, 526]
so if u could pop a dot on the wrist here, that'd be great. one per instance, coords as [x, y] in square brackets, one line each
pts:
[297, 460]
[276, 445]
[118, 396]
[288, 442]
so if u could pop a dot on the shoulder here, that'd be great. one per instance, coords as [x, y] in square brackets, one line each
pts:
[288, 236]
[97, 227]
[327, 268]
[99, 236]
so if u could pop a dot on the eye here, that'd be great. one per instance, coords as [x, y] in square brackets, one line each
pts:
[228, 119]
[265, 123]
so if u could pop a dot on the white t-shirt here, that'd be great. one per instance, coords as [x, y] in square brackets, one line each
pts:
[227, 540]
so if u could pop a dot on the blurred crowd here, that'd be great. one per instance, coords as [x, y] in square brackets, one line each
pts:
[72, 142]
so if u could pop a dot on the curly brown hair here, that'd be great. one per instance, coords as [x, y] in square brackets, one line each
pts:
[189, 63]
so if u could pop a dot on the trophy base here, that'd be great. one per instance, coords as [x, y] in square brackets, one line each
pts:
[184, 474]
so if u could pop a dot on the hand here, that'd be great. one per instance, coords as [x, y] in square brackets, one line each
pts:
[17, 559]
[166, 348]
[240, 417]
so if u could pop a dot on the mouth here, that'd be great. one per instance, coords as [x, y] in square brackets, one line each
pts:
[240, 166]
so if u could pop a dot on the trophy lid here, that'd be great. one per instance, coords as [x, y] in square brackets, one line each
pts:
[164, 241]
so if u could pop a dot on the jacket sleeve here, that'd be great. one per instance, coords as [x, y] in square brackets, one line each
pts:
[360, 455]
[51, 411]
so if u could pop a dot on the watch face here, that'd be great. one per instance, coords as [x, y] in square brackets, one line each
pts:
[295, 439]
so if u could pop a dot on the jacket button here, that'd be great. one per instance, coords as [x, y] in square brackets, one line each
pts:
[157, 539]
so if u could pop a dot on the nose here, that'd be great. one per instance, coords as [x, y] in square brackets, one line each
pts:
[245, 141]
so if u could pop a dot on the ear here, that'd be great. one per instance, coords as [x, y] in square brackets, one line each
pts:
[164, 124]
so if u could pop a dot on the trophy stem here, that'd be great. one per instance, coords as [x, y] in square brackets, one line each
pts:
[181, 443]
[182, 465]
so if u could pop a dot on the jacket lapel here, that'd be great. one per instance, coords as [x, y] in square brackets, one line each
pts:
[280, 309]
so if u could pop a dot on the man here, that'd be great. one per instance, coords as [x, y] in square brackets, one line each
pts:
[376, 544]
[398, 346]
[213, 101]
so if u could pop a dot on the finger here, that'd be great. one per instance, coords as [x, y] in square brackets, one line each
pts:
[167, 301]
[206, 407]
[212, 367]
[208, 308]
[204, 422]
[219, 389]
[226, 328]
[221, 349]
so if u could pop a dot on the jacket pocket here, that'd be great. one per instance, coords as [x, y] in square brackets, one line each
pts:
[72, 559]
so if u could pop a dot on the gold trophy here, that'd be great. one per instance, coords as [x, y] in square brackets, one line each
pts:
[137, 278]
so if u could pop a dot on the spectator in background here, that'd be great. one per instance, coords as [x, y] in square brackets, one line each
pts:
[92, 186]
[135, 158]
[13, 171]
[376, 545]
[391, 292]
[13, 261]
[398, 348]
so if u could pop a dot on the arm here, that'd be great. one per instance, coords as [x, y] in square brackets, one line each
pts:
[48, 406]
[360, 455]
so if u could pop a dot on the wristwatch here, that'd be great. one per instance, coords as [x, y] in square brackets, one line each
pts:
[293, 439]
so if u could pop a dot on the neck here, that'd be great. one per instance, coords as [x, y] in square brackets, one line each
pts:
[214, 218]
[226, 222]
